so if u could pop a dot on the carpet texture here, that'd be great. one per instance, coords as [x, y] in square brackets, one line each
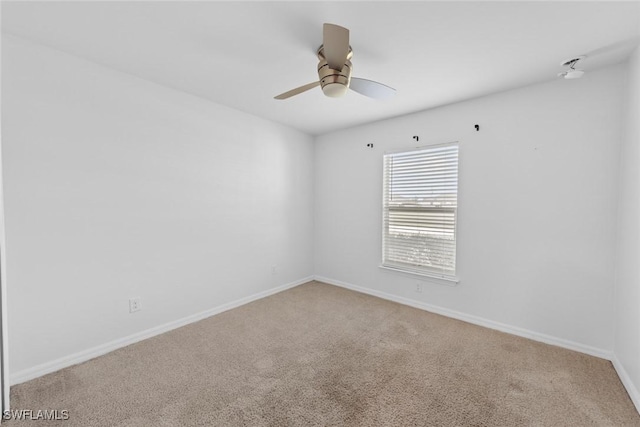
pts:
[319, 355]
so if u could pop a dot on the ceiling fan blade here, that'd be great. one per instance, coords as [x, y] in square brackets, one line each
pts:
[371, 89]
[335, 40]
[297, 90]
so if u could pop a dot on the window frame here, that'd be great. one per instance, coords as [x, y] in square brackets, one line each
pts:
[423, 272]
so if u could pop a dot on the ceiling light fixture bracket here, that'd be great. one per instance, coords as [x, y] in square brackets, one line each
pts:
[571, 63]
[572, 72]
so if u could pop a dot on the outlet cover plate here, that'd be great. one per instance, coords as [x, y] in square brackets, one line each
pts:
[134, 304]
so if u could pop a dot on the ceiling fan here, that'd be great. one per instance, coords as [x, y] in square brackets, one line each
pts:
[334, 69]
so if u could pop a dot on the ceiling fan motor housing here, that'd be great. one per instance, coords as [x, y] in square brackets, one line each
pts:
[334, 83]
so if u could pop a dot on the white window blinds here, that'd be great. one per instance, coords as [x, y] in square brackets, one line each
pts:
[420, 200]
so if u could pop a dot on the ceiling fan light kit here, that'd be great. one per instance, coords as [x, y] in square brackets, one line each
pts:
[334, 83]
[334, 69]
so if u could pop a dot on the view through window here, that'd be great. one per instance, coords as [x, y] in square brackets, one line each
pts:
[420, 201]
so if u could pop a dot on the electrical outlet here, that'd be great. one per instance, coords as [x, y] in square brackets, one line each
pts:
[134, 304]
[274, 269]
[419, 287]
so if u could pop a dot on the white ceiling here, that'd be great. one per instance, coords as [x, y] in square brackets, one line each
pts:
[242, 54]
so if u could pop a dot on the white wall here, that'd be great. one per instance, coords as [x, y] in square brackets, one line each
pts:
[117, 187]
[537, 207]
[627, 288]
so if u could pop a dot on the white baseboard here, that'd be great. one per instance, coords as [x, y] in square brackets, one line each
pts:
[633, 391]
[476, 320]
[83, 356]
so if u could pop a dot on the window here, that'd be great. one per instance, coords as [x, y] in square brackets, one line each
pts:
[420, 200]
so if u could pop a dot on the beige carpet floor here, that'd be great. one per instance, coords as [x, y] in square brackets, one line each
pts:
[319, 355]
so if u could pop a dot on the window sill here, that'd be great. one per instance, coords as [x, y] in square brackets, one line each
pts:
[445, 279]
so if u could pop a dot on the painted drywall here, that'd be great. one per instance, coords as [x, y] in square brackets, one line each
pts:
[116, 187]
[4, 335]
[627, 286]
[537, 207]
